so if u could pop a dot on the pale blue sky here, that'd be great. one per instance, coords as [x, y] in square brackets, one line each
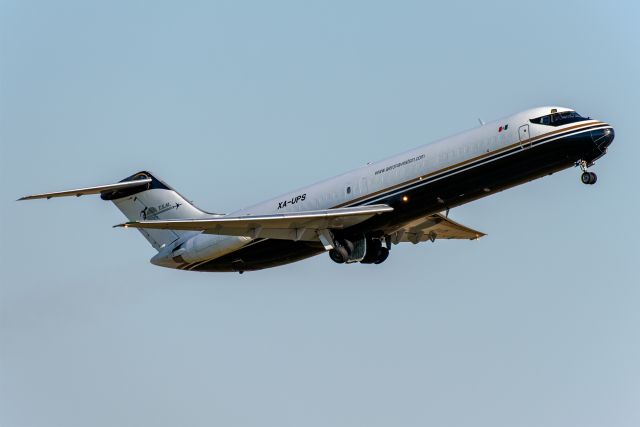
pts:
[234, 102]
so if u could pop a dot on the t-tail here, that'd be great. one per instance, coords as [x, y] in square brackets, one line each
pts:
[142, 196]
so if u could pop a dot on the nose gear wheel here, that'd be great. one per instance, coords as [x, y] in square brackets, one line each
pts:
[587, 177]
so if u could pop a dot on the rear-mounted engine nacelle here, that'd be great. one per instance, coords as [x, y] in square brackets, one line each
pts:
[201, 247]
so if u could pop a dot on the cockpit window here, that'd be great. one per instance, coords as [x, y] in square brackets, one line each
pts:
[558, 119]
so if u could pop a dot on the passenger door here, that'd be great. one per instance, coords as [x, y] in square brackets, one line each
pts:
[525, 138]
[364, 187]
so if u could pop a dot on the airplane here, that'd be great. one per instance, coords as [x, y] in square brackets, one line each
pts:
[356, 217]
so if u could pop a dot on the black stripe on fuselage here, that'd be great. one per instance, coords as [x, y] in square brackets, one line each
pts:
[531, 160]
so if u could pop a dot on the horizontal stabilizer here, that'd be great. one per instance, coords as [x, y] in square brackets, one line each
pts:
[90, 190]
[289, 226]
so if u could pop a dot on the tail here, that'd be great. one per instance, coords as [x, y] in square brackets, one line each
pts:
[142, 196]
[156, 201]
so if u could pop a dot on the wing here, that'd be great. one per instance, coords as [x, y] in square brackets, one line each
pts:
[432, 227]
[304, 225]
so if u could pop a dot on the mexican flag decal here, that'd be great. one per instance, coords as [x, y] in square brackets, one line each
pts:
[505, 127]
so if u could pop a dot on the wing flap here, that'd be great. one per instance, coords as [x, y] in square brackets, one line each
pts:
[432, 227]
[89, 190]
[289, 226]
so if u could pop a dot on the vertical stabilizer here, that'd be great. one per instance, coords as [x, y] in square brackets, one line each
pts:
[154, 200]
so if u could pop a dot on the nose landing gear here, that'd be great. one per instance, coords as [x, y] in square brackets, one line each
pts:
[587, 177]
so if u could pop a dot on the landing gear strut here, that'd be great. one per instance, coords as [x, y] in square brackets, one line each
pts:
[587, 177]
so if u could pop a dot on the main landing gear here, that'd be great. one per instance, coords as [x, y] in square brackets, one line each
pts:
[587, 177]
[366, 250]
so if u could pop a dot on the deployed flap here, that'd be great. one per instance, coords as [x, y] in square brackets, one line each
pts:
[288, 226]
[90, 190]
[432, 227]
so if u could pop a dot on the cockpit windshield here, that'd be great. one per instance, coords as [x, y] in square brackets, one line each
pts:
[558, 119]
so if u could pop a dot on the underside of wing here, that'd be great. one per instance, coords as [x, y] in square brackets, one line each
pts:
[289, 226]
[432, 227]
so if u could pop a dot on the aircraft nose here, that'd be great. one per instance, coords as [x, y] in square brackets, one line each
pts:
[603, 137]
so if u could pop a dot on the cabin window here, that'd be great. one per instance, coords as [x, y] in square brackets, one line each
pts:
[348, 189]
[558, 119]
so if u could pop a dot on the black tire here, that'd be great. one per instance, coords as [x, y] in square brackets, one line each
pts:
[585, 177]
[339, 255]
[594, 178]
[348, 245]
[383, 254]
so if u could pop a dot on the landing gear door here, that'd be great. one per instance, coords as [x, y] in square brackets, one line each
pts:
[525, 138]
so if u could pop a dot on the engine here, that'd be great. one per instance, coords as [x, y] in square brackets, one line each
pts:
[365, 250]
[201, 247]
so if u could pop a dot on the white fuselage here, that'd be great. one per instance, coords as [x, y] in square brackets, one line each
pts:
[374, 182]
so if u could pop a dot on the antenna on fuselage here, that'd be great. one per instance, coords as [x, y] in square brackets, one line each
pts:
[481, 121]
